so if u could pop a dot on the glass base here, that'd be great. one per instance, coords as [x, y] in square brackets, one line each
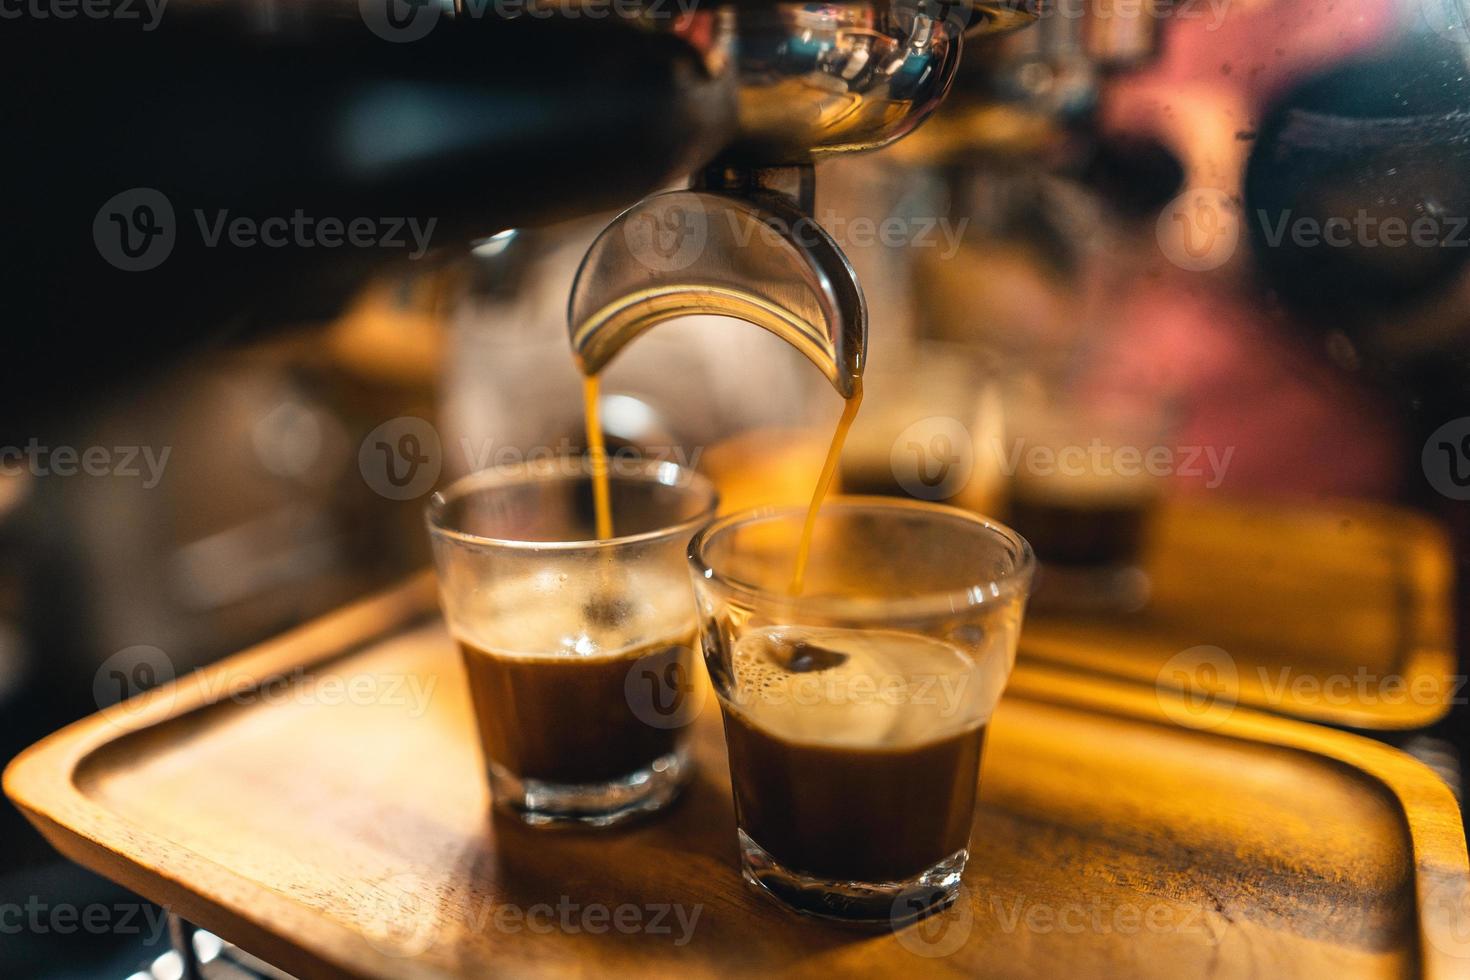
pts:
[643, 791]
[886, 903]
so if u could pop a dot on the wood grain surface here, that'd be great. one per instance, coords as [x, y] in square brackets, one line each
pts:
[1340, 613]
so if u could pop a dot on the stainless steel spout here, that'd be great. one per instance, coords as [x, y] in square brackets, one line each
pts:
[811, 80]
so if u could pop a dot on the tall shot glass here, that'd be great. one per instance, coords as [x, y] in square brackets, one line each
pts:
[578, 651]
[855, 712]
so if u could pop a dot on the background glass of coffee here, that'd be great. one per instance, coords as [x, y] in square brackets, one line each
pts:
[1085, 491]
[578, 651]
[855, 712]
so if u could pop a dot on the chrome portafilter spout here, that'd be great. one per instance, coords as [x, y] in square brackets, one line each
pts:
[741, 243]
[809, 81]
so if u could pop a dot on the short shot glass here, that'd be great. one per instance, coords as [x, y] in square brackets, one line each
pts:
[579, 652]
[855, 712]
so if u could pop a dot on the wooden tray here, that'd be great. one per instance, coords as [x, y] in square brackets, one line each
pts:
[1337, 613]
[347, 835]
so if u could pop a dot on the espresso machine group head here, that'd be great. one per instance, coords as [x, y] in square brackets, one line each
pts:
[808, 81]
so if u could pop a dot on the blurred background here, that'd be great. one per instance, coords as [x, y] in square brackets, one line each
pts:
[1179, 289]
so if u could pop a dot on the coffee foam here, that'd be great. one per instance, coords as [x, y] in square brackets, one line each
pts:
[576, 611]
[889, 690]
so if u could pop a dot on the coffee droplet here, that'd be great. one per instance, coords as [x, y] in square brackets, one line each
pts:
[801, 656]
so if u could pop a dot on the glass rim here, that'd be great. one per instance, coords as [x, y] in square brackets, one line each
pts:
[1016, 581]
[650, 471]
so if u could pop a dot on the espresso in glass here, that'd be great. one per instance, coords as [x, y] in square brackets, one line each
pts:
[818, 715]
[579, 685]
[1084, 521]
[855, 711]
[578, 650]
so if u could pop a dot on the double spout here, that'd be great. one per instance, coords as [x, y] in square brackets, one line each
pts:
[742, 241]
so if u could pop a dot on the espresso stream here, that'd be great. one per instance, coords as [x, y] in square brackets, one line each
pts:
[824, 483]
[597, 449]
[602, 496]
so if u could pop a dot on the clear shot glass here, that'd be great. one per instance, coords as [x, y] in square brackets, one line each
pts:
[579, 652]
[855, 712]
